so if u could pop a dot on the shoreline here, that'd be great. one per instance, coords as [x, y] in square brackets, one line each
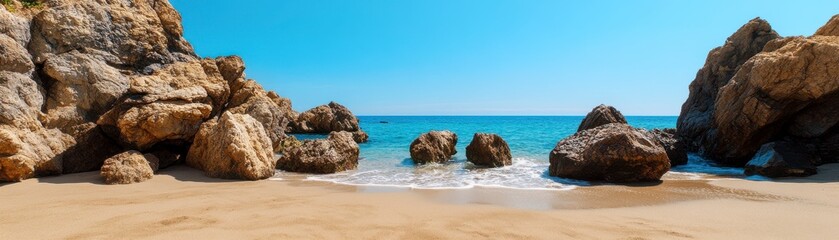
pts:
[181, 202]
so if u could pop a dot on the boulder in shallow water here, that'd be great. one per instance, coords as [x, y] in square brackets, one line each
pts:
[129, 167]
[234, 146]
[434, 147]
[339, 152]
[675, 148]
[782, 159]
[613, 153]
[601, 115]
[489, 150]
[360, 136]
[326, 118]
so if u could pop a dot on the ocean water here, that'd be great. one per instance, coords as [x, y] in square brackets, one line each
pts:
[385, 159]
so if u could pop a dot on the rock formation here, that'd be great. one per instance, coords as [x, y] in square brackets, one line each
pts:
[782, 159]
[235, 146]
[601, 115]
[489, 150]
[339, 152]
[129, 167]
[612, 152]
[332, 117]
[85, 80]
[789, 90]
[675, 148]
[434, 147]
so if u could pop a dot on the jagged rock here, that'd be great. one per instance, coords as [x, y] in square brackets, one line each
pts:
[601, 115]
[252, 100]
[91, 149]
[613, 153]
[831, 28]
[82, 88]
[21, 102]
[131, 33]
[434, 147]
[360, 136]
[339, 152]
[788, 91]
[782, 159]
[235, 146]
[285, 107]
[26, 153]
[332, 117]
[168, 105]
[15, 27]
[128, 167]
[696, 121]
[489, 150]
[13, 56]
[675, 148]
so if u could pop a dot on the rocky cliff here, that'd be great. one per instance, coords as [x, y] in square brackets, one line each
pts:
[760, 88]
[84, 80]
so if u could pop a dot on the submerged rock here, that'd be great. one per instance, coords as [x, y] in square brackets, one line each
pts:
[129, 167]
[782, 159]
[613, 153]
[339, 152]
[235, 146]
[434, 147]
[489, 150]
[601, 115]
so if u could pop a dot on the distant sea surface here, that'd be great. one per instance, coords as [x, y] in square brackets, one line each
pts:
[386, 161]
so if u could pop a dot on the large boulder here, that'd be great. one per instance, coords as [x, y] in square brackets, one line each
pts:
[128, 167]
[613, 153]
[696, 121]
[168, 105]
[782, 159]
[790, 91]
[235, 146]
[252, 100]
[339, 152]
[675, 148]
[489, 150]
[601, 115]
[32, 152]
[434, 147]
[127, 33]
[326, 118]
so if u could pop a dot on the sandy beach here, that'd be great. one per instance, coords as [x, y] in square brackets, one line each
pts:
[181, 203]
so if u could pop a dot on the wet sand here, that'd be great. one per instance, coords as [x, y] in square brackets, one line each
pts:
[180, 203]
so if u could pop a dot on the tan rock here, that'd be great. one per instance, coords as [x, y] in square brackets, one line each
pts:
[327, 118]
[22, 100]
[128, 167]
[831, 28]
[697, 117]
[13, 56]
[252, 100]
[26, 153]
[612, 152]
[337, 153]
[434, 147]
[14, 26]
[235, 146]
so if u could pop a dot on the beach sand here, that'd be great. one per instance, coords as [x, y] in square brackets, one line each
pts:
[180, 203]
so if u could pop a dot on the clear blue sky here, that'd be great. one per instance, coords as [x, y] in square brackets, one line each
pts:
[482, 57]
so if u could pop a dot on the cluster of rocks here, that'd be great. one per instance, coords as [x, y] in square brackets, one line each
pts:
[487, 150]
[767, 102]
[606, 148]
[113, 86]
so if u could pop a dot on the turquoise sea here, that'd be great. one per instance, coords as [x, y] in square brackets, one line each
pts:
[385, 159]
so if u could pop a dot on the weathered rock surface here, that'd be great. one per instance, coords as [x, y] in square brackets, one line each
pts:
[613, 153]
[332, 117]
[782, 159]
[339, 152]
[434, 147]
[235, 146]
[831, 28]
[168, 105]
[489, 150]
[252, 100]
[601, 115]
[90, 150]
[128, 167]
[675, 148]
[696, 122]
[26, 153]
[21, 102]
[360, 136]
